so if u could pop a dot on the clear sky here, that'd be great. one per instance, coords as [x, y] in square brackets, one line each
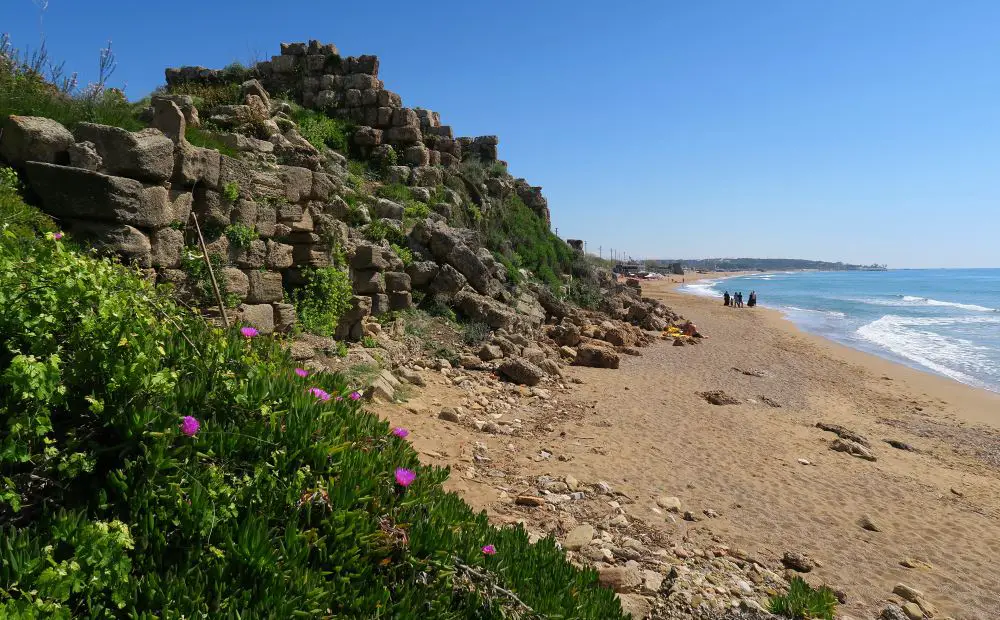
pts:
[855, 130]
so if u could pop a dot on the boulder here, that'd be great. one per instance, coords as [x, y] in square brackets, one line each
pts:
[425, 176]
[421, 273]
[397, 174]
[385, 208]
[579, 537]
[265, 287]
[484, 309]
[368, 282]
[166, 245]
[397, 282]
[67, 192]
[596, 357]
[521, 371]
[620, 578]
[260, 316]
[168, 118]
[84, 155]
[147, 155]
[447, 281]
[194, 164]
[380, 304]
[489, 352]
[400, 300]
[468, 264]
[285, 317]
[126, 241]
[34, 138]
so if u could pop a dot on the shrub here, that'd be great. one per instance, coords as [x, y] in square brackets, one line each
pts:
[231, 191]
[209, 96]
[475, 332]
[415, 210]
[514, 229]
[322, 131]
[403, 253]
[206, 139]
[241, 235]
[320, 303]
[804, 602]
[36, 86]
[199, 280]
[369, 343]
[584, 293]
[378, 230]
[394, 191]
[16, 216]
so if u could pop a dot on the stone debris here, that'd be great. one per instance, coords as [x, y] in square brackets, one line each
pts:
[852, 448]
[718, 397]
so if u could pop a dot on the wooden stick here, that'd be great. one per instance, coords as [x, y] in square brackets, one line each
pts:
[211, 272]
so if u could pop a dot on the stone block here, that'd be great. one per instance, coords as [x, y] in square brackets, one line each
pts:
[212, 209]
[193, 164]
[166, 245]
[417, 155]
[251, 257]
[397, 282]
[298, 182]
[267, 218]
[368, 257]
[285, 317]
[279, 255]
[126, 241]
[367, 282]
[34, 138]
[265, 287]
[244, 213]
[232, 281]
[426, 176]
[146, 155]
[400, 300]
[259, 316]
[380, 304]
[385, 208]
[402, 135]
[311, 256]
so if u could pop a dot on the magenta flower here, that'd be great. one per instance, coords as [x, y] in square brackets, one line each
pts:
[400, 432]
[355, 395]
[248, 332]
[405, 477]
[57, 236]
[302, 372]
[489, 550]
[320, 394]
[339, 398]
[190, 426]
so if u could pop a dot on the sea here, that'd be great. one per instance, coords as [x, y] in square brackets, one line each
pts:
[946, 321]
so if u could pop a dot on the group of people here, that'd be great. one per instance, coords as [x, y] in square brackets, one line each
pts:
[736, 299]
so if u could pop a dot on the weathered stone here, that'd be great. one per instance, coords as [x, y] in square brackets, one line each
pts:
[400, 300]
[448, 280]
[596, 357]
[719, 397]
[579, 537]
[34, 138]
[127, 242]
[385, 208]
[367, 136]
[476, 273]
[147, 155]
[259, 316]
[490, 352]
[267, 219]
[521, 371]
[84, 155]
[844, 433]
[285, 317]
[265, 287]
[397, 174]
[422, 273]
[307, 255]
[166, 245]
[636, 606]
[75, 193]
[298, 183]
[852, 448]
[278, 255]
[673, 504]
[396, 282]
[892, 612]
[168, 118]
[907, 593]
[416, 155]
[250, 257]
[529, 500]
[380, 304]
[797, 561]
[368, 281]
[212, 209]
[868, 523]
[426, 176]
[233, 281]
[913, 611]
[448, 414]
[484, 309]
[620, 578]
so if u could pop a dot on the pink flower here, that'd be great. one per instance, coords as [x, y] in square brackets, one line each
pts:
[400, 432]
[320, 394]
[248, 332]
[405, 477]
[355, 395]
[189, 426]
[302, 372]
[57, 236]
[339, 398]
[489, 550]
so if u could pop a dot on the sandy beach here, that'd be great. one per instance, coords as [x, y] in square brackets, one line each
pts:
[761, 471]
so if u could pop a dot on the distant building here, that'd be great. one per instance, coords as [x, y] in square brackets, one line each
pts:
[676, 268]
[626, 269]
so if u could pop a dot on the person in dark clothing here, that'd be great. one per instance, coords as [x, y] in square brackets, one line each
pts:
[739, 300]
[753, 299]
[725, 298]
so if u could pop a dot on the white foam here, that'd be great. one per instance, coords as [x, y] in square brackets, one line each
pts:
[911, 301]
[839, 315]
[703, 289]
[951, 357]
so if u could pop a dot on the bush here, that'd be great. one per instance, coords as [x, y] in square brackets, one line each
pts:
[395, 191]
[206, 139]
[36, 86]
[804, 602]
[325, 296]
[585, 294]
[404, 254]
[369, 343]
[272, 503]
[209, 96]
[514, 230]
[475, 332]
[322, 131]
[199, 279]
[16, 216]
[378, 230]
[241, 235]
[231, 191]
[415, 210]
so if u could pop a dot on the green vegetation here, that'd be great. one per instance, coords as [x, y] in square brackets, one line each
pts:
[803, 602]
[151, 464]
[378, 230]
[320, 303]
[193, 263]
[206, 139]
[403, 253]
[395, 191]
[516, 232]
[342, 349]
[36, 86]
[241, 235]
[369, 343]
[209, 96]
[322, 131]
[415, 210]
[19, 218]
[584, 293]
[231, 191]
[475, 332]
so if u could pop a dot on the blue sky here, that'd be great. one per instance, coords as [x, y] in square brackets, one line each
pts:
[851, 130]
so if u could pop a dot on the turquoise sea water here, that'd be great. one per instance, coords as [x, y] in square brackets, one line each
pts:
[945, 321]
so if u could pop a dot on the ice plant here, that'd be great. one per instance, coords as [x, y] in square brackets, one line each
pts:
[190, 426]
[248, 332]
[355, 395]
[400, 432]
[302, 372]
[405, 477]
[57, 236]
[489, 550]
[320, 394]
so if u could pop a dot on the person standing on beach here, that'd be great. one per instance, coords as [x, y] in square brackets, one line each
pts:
[725, 298]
